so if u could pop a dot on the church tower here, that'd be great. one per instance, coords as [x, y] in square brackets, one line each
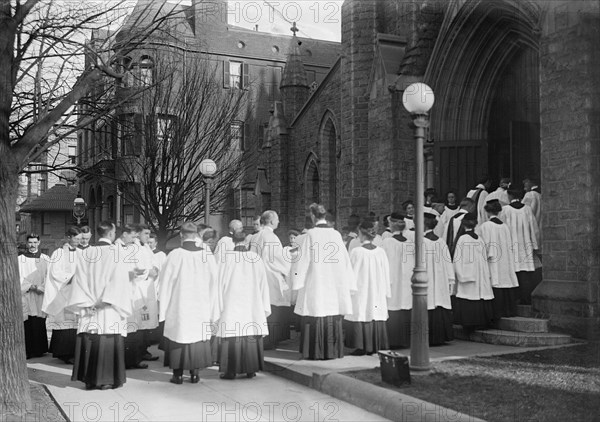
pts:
[294, 81]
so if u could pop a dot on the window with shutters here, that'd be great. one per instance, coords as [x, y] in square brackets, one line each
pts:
[237, 135]
[235, 74]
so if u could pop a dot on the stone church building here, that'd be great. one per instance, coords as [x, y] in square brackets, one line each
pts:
[517, 94]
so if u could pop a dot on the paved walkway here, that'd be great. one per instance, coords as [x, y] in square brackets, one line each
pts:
[148, 396]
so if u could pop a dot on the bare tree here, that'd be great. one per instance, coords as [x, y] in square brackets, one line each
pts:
[42, 77]
[186, 117]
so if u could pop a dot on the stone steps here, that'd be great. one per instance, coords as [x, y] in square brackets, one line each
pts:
[512, 338]
[524, 325]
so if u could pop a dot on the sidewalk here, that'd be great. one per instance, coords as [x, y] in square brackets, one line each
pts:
[149, 396]
[326, 376]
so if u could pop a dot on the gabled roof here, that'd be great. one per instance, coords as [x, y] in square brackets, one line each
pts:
[58, 198]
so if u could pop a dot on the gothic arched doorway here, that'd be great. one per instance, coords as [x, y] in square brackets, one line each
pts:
[311, 184]
[485, 73]
[328, 151]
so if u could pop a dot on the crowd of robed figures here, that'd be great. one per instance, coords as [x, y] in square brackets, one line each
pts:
[108, 302]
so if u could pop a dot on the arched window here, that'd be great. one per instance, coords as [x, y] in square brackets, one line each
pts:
[146, 69]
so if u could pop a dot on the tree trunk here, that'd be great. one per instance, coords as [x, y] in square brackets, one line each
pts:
[14, 385]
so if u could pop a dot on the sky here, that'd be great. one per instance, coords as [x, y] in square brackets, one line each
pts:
[318, 19]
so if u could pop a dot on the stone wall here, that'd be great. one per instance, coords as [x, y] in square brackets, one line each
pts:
[570, 144]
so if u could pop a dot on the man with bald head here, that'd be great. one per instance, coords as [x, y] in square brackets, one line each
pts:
[226, 242]
[268, 246]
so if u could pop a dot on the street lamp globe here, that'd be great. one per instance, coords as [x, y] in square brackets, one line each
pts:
[208, 167]
[418, 98]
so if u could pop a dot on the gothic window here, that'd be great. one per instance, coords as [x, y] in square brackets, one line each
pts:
[235, 74]
[237, 133]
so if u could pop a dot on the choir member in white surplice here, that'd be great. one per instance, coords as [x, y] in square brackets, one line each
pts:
[226, 242]
[158, 260]
[526, 241]
[440, 282]
[501, 260]
[533, 198]
[400, 251]
[86, 237]
[479, 195]
[500, 194]
[242, 309]
[387, 232]
[58, 290]
[145, 281]
[33, 266]
[129, 251]
[365, 328]
[451, 207]
[473, 308]
[377, 240]
[268, 246]
[324, 279]
[101, 298]
[187, 299]
[454, 228]
[409, 210]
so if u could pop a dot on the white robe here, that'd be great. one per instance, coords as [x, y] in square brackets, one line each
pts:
[323, 274]
[481, 213]
[158, 260]
[355, 243]
[243, 302]
[32, 271]
[101, 291]
[268, 246]
[524, 234]
[58, 288]
[385, 235]
[500, 194]
[372, 270]
[534, 200]
[410, 224]
[440, 273]
[500, 255]
[448, 213]
[401, 258]
[471, 269]
[458, 216]
[188, 295]
[224, 244]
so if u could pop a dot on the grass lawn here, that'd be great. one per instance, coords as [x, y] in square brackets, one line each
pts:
[547, 385]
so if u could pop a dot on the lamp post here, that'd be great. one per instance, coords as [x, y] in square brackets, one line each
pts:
[418, 99]
[208, 168]
[79, 206]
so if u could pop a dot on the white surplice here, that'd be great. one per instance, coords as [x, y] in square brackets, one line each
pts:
[440, 272]
[268, 246]
[481, 213]
[188, 295]
[401, 258]
[524, 234]
[372, 270]
[471, 269]
[500, 194]
[243, 302]
[534, 200]
[32, 272]
[323, 274]
[101, 291]
[500, 255]
[58, 288]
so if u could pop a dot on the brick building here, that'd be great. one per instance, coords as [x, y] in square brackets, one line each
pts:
[517, 86]
[247, 59]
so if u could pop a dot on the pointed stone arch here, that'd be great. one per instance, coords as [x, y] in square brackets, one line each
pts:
[483, 49]
[328, 147]
[312, 192]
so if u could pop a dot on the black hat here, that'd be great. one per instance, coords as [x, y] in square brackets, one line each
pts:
[493, 206]
[470, 216]
[397, 216]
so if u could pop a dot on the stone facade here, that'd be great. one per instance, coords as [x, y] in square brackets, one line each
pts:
[516, 86]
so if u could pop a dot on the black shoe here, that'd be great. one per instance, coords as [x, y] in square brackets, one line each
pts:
[149, 357]
[358, 352]
[106, 387]
[90, 387]
[70, 361]
[177, 379]
[195, 379]
[216, 363]
[139, 366]
[227, 376]
[250, 374]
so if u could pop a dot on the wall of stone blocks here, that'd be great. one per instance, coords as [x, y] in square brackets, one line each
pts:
[570, 155]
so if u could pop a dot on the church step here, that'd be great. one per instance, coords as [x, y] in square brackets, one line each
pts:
[512, 338]
[524, 325]
[525, 311]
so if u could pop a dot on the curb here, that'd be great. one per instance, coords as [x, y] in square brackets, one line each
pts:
[389, 404]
